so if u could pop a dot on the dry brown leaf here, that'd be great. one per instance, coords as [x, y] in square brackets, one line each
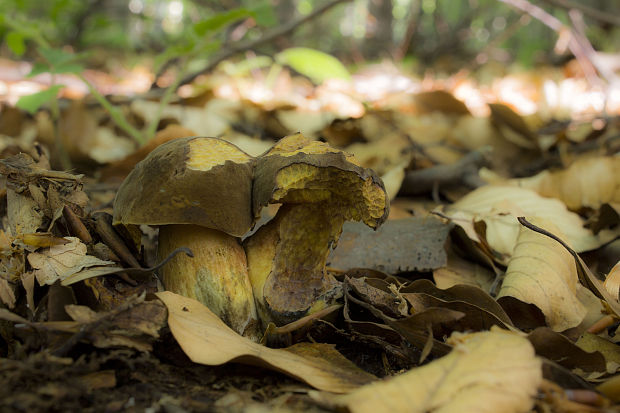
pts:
[62, 261]
[493, 371]
[586, 183]
[609, 350]
[498, 207]
[7, 293]
[393, 179]
[23, 213]
[543, 273]
[213, 119]
[559, 349]
[586, 277]
[441, 101]
[611, 388]
[207, 340]
[612, 281]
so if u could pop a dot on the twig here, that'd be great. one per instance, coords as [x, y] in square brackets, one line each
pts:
[576, 48]
[247, 45]
[464, 171]
[103, 225]
[605, 17]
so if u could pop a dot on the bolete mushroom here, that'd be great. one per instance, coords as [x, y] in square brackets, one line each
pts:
[319, 188]
[198, 190]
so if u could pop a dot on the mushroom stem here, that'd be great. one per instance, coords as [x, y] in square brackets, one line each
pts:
[286, 260]
[217, 276]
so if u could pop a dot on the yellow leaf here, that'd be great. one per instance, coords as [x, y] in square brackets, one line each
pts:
[588, 182]
[543, 273]
[498, 207]
[612, 282]
[207, 340]
[491, 371]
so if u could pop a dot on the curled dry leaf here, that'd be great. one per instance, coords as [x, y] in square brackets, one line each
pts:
[493, 371]
[61, 261]
[207, 340]
[586, 183]
[612, 282]
[543, 273]
[498, 207]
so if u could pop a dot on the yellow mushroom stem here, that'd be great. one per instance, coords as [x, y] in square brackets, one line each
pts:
[216, 276]
[286, 260]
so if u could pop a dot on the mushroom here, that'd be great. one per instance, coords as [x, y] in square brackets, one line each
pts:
[198, 190]
[319, 188]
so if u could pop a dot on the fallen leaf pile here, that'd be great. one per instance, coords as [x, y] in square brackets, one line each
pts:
[494, 285]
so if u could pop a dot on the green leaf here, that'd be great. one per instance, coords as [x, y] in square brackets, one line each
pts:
[32, 103]
[61, 61]
[220, 20]
[58, 57]
[39, 68]
[68, 68]
[173, 52]
[264, 14]
[15, 42]
[315, 64]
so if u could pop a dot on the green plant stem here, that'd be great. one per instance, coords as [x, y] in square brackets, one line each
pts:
[61, 150]
[117, 116]
[165, 99]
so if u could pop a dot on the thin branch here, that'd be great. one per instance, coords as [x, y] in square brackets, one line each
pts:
[247, 45]
[606, 17]
[556, 25]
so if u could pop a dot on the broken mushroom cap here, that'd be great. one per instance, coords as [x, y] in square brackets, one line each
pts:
[198, 190]
[319, 188]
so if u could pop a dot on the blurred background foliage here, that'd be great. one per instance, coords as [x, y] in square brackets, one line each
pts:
[445, 34]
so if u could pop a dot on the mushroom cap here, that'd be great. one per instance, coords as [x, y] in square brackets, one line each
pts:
[297, 170]
[196, 180]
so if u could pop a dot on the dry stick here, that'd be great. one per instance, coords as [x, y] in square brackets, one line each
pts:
[109, 236]
[464, 171]
[243, 46]
[556, 25]
[76, 226]
[588, 11]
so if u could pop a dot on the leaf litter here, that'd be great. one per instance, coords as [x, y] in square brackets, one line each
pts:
[452, 305]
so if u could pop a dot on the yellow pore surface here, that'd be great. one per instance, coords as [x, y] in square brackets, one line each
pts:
[362, 199]
[206, 153]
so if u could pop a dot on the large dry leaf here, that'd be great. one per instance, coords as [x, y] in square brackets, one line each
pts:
[61, 261]
[543, 273]
[207, 340]
[586, 276]
[498, 207]
[493, 371]
[588, 182]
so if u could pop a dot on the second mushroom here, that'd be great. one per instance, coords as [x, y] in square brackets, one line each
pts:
[319, 188]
